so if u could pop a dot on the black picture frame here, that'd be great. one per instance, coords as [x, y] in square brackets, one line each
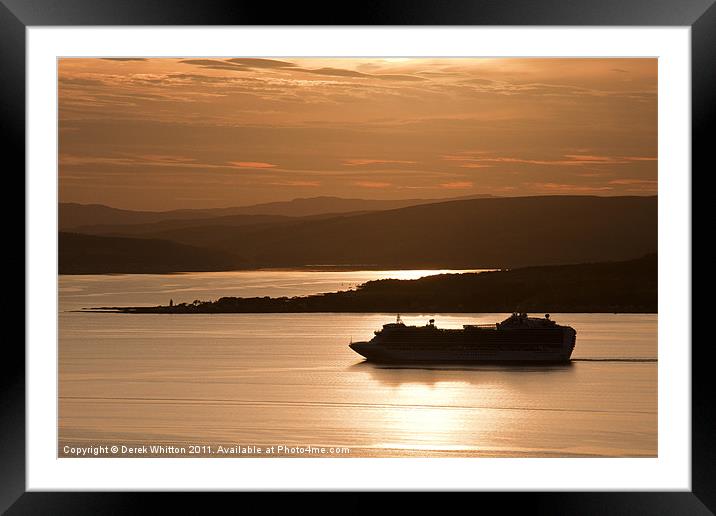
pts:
[17, 15]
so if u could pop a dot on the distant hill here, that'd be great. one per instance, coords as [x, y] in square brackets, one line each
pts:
[481, 233]
[154, 228]
[73, 216]
[305, 207]
[628, 286]
[87, 254]
[472, 233]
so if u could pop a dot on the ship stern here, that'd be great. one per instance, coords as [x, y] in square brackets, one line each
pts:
[570, 340]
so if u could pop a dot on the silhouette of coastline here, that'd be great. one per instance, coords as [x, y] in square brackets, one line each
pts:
[624, 287]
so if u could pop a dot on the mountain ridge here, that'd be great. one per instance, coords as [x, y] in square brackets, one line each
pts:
[480, 233]
[74, 215]
[473, 233]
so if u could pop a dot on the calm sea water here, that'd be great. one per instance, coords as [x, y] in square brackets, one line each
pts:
[249, 381]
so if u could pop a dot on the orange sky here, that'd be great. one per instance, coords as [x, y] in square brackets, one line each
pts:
[161, 134]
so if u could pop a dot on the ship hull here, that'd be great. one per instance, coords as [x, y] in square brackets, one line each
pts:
[378, 355]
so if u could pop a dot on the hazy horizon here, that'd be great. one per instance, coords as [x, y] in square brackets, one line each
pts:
[288, 200]
[161, 134]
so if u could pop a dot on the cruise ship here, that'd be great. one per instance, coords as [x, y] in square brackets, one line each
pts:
[518, 338]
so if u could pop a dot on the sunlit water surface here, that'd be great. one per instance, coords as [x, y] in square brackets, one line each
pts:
[290, 379]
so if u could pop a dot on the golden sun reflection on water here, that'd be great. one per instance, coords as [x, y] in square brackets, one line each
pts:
[416, 274]
[424, 424]
[428, 409]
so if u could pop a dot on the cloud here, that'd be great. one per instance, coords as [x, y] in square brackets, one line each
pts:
[163, 158]
[124, 58]
[636, 185]
[565, 160]
[508, 87]
[194, 77]
[215, 64]
[558, 162]
[363, 162]
[475, 165]
[247, 64]
[396, 77]
[251, 164]
[310, 184]
[372, 184]
[568, 188]
[158, 160]
[255, 62]
[335, 72]
[589, 159]
[79, 81]
[634, 182]
[240, 64]
[94, 160]
[457, 185]
[341, 72]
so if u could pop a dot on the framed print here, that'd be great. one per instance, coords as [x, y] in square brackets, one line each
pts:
[414, 249]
